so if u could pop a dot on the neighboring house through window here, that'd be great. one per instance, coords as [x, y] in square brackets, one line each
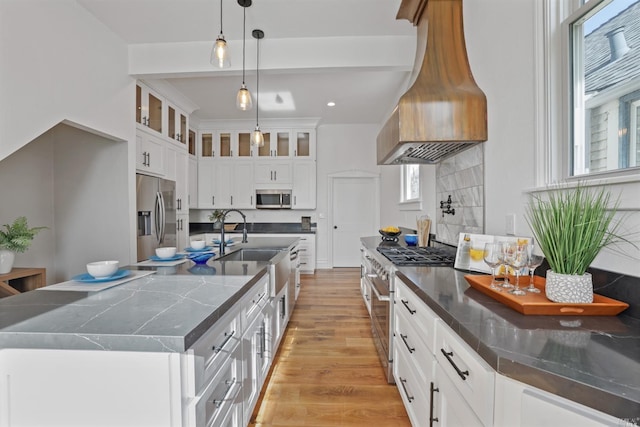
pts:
[410, 183]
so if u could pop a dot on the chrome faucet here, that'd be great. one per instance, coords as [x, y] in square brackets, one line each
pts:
[244, 228]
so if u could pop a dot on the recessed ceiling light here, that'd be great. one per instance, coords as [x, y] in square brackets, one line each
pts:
[331, 104]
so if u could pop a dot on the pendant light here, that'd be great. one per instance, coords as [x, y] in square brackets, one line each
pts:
[257, 138]
[220, 53]
[243, 99]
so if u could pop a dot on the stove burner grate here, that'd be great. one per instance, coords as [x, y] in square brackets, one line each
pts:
[420, 256]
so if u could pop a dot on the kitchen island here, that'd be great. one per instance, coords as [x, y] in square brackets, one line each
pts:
[591, 360]
[145, 352]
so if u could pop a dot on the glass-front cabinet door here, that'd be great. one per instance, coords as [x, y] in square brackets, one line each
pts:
[224, 144]
[244, 145]
[192, 142]
[304, 144]
[206, 141]
[149, 108]
[276, 144]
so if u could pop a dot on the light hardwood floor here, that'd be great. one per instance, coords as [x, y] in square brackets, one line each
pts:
[327, 371]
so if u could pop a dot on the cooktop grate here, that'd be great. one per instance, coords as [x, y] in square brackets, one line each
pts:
[419, 256]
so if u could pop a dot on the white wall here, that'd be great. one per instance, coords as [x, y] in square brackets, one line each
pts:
[60, 63]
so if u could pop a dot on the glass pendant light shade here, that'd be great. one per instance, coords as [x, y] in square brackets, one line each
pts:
[243, 100]
[220, 53]
[257, 138]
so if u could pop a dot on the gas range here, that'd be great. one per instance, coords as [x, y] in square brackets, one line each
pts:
[418, 256]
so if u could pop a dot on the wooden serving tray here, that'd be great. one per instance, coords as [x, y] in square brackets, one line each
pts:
[538, 304]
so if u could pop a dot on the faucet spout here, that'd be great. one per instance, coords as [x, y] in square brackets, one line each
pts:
[244, 228]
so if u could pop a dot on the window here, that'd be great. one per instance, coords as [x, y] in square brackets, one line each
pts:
[410, 183]
[604, 61]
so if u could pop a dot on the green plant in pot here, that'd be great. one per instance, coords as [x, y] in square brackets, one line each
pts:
[15, 238]
[571, 226]
[216, 217]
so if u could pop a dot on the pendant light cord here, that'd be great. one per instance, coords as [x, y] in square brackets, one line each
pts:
[257, 80]
[221, 32]
[244, 24]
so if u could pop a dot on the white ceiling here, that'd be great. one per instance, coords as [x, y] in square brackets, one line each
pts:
[352, 52]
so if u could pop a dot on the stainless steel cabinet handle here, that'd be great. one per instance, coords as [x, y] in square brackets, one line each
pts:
[226, 340]
[406, 304]
[404, 339]
[449, 355]
[213, 200]
[229, 383]
[409, 397]
[432, 390]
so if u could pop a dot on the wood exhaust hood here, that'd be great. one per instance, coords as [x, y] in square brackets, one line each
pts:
[444, 112]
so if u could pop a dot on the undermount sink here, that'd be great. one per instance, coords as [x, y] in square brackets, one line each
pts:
[250, 255]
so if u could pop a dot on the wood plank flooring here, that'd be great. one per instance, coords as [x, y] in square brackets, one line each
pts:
[327, 371]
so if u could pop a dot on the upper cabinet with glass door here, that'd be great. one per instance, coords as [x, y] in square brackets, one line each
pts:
[149, 108]
[292, 143]
[192, 143]
[225, 145]
[177, 124]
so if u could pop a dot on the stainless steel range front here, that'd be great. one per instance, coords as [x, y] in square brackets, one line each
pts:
[377, 277]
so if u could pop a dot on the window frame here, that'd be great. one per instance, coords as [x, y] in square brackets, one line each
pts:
[554, 95]
[405, 202]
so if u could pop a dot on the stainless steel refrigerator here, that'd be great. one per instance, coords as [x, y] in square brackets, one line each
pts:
[155, 205]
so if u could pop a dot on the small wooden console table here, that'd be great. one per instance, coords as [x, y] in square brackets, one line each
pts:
[21, 280]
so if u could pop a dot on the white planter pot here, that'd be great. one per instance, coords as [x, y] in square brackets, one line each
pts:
[6, 261]
[569, 288]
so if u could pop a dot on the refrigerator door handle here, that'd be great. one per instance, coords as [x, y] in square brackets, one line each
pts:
[157, 217]
[162, 217]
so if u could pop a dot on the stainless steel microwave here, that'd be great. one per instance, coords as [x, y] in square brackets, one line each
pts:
[273, 199]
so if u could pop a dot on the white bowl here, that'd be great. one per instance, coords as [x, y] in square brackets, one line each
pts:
[197, 244]
[102, 269]
[168, 252]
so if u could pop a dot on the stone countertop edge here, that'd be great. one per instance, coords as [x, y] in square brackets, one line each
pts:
[254, 228]
[602, 371]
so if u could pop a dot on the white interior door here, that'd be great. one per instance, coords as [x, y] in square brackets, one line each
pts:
[355, 214]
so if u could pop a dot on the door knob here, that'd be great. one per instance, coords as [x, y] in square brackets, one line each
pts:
[335, 227]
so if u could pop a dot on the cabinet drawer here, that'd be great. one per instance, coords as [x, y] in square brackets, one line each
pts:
[221, 395]
[407, 340]
[415, 396]
[255, 301]
[214, 347]
[416, 312]
[471, 376]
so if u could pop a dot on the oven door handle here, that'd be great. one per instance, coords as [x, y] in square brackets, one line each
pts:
[373, 278]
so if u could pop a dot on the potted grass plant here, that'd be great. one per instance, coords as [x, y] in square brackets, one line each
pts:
[571, 226]
[15, 238]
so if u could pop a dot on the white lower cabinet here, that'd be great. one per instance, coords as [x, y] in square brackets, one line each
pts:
[441, 381]
[522, 405]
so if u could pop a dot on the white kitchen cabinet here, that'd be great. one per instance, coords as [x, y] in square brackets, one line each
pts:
[276, 144]
[150, 107]
[225, 185]
[273, 174]
[177, 124]
[207, 182]
[457, 383]
[182, 231]
[193, 183]
[86, 387]
[522, 405]
[306, 250]
[303, 143]
[304, 185]
[150, 153]
[176, 169]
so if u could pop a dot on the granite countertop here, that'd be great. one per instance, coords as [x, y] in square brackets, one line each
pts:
[163, 312]
[592, 360]
[253, 228]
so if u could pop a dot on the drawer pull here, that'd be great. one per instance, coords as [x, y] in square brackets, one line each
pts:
[449, 355]
[404, 339]
[257, 300]
[229, 383]
[432, 419]
[406, 304]
[409, 398]
[226, 340]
